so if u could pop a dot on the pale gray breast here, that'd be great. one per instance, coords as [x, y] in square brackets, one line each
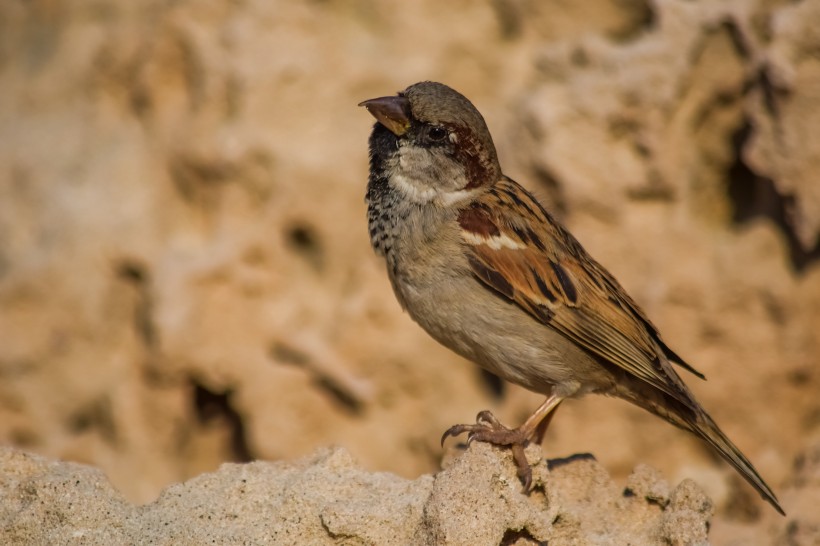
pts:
[435, 285]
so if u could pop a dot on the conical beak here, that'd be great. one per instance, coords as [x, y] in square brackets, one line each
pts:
[392, 112]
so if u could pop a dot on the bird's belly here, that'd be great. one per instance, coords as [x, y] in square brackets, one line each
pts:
[495, 333]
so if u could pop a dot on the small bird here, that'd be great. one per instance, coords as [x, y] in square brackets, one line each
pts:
[479, 263]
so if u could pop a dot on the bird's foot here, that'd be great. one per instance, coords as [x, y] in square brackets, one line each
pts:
[489, 429]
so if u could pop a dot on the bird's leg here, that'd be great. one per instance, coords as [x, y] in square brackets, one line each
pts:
[541, 429]
[488, 429]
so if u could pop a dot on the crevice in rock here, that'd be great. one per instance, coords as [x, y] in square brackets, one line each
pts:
[640, 16]
[97, 416]
[493, 383]
[198, 180]
[303, 240]
[552, 464]
[742, 503]
[509, 16]
[554, 192]
[519, 538]
[138, 277]
[211, 406]
[287, 354]
[770, 91]
[753, 196]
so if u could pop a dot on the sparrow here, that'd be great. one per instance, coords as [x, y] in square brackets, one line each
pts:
[482, 266]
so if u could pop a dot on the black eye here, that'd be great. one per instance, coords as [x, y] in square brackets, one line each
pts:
[437, 133]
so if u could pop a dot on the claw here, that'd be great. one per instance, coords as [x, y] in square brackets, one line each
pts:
[486, 418]
[455, 430]
[489, 429]
[483, 421]
[524, 469]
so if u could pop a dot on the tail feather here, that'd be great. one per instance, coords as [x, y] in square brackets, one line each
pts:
[693, 418]
[704, 427]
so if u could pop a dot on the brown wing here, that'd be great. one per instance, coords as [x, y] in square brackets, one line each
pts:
[520, 251]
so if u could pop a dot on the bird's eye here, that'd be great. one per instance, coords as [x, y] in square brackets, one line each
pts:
[437, 133]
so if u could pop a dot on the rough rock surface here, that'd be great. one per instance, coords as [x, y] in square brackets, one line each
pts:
[327, 498]
[185, 275]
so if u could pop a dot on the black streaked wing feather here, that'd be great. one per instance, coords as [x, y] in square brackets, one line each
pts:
[549, 275]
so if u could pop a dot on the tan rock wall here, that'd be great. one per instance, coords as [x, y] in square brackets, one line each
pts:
[185, 276]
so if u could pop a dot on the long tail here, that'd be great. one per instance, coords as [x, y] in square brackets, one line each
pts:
[704, 427]
[693, 418]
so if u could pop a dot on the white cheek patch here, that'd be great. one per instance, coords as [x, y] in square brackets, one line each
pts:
[448, 198]
[412, 191]
[424, 191]
[496, 242]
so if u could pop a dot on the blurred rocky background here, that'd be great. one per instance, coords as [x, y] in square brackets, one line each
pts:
[185, 272]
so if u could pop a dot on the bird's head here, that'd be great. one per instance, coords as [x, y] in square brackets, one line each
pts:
[431, 144]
